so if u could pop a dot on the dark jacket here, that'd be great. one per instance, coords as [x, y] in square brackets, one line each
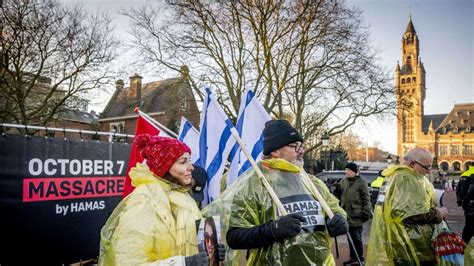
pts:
[468, 200]
[355, 200]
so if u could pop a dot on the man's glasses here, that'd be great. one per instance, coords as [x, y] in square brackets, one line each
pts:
[424, 167]
[298, 146]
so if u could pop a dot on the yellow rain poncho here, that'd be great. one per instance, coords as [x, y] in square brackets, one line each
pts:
[469, 253]
[246, 203]
[404, 193]
[154, 225]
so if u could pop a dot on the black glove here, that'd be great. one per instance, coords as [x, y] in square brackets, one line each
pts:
[221, 251]
[287, 226]
[200, 259]
[337, 225]
[365, 216]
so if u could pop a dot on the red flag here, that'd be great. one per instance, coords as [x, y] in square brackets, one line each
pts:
[143, 127]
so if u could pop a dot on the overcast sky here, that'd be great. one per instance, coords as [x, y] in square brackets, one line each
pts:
[445, 30]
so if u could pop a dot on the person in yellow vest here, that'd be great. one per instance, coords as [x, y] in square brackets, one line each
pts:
[376, 185]
[405, 214]
[155, 224]
[465, 194]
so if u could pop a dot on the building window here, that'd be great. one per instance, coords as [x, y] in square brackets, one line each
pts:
[414, 80]
[444, 166]
[403, 81]
[456, 166]
[454, 149]
[467, 150]
[408, 80]
[467, 164]
[117, 127]
[184, 101]
[410, 130]
[443, 150]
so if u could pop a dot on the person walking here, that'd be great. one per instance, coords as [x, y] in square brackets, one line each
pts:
[303, 236]
[156, 222]
[355, 200]
[405, 214]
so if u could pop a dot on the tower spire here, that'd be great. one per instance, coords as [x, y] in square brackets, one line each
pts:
[410, 27]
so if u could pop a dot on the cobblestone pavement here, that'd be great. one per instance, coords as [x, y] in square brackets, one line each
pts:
[455, 220]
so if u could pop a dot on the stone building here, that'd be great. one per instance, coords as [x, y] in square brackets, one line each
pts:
[165, 101]
[369, 154]
[450, 137]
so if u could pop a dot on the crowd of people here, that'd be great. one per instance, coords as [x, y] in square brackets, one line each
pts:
[156, 223]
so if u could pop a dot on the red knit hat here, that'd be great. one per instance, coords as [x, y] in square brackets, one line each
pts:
[160, 152]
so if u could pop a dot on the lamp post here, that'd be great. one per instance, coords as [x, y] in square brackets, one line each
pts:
[397, 161]
[389, 159]
[325, 141]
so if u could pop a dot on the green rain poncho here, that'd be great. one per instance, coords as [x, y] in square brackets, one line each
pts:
[469, 253]
[246, 204]
[404, 193]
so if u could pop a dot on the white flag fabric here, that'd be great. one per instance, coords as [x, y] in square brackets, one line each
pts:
[164, 134]
[190, 136]
[250, 123]
[215, 143]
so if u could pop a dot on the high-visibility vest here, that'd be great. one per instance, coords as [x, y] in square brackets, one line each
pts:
[469, 172]
[377, 183]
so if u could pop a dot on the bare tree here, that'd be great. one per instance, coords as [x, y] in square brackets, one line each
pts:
[50, 56]
[307, 60]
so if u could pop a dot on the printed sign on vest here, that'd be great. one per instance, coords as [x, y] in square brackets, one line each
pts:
[309, 208]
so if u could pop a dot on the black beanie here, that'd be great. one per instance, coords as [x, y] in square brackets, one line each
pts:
[200, 178]
[353, 167]
[278, 133]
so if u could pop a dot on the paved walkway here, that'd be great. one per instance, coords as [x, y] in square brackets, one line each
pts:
[455, 221]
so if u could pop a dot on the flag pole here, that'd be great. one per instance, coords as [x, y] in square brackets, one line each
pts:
[267, 185]
[307, 181]
[150, 119]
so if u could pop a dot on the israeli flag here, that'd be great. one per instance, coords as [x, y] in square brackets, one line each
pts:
[250, 123]
[189, 135]
[215, 143]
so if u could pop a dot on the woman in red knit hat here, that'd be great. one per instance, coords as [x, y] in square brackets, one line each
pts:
[155, 224]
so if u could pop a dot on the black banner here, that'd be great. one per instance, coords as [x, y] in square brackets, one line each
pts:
[55, 196]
